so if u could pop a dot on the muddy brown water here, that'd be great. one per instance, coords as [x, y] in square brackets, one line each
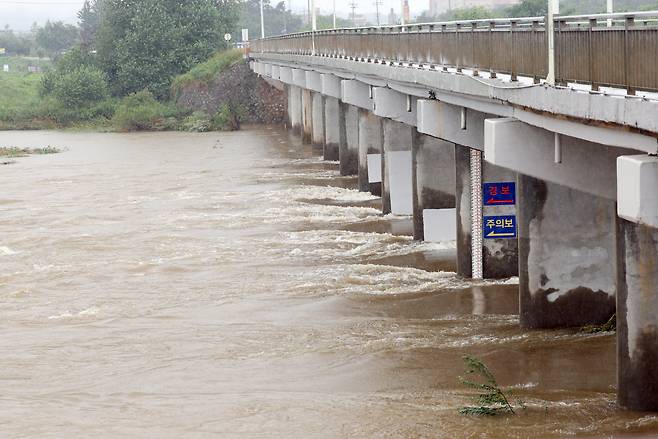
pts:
[232, 285]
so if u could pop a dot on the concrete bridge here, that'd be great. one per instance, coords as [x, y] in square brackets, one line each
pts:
[538, 155]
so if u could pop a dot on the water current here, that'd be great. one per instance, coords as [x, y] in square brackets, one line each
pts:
[233, 285]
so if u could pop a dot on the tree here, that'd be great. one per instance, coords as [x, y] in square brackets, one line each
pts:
[15, 44]
[278, 20]
[143, 44]
[529, 8]
[89, 21]
[56, 37]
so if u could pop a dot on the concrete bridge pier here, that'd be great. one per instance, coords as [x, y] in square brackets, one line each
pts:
[499, 256]
[566, 256]
[307, 115]
[433, 165]
[397, 173]
[371, 140]
[295, 109]
[637, 283]
[334, 121]
[567, 221]
[349, 140]
[318, 136]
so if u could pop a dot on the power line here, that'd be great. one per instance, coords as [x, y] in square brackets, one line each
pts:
[378, 3]
[353, 6]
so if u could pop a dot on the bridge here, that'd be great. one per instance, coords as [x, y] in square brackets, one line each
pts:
[534, 145]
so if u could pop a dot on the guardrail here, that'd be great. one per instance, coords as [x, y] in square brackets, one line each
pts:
[614, 50]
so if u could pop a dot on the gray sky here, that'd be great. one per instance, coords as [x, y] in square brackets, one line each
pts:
[20, 14]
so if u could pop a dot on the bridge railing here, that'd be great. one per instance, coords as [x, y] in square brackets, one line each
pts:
[615, 50]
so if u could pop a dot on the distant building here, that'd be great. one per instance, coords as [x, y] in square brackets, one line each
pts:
[405, 11]
[438, 7]
[392, 18]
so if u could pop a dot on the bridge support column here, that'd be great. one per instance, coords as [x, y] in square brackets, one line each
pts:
[295, 108]
[371, 139]
[349, 141]
[566, 255]
[397, 178]
[333, 120]
[434, 189]
[637, 316]
[637, 280]
[307, 115]
[499, 256]
[318, 120]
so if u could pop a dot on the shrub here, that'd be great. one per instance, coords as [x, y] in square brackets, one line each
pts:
[228, 118]
[199, 122]
[81, 87]
[141, 111]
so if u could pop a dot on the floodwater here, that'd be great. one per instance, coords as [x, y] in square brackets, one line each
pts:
[232, 285]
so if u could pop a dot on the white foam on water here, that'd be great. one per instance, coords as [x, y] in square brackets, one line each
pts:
[69, 315]
[381, 280]
[6, 251]
[347, 245]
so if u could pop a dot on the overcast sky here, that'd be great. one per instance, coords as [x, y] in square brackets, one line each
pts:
[20, 14]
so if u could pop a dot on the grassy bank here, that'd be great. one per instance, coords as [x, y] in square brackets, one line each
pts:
[26, 106]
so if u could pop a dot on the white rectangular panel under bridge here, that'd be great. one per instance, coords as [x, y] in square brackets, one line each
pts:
[398, 165]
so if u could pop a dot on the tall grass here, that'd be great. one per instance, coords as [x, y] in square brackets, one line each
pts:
[207, 71]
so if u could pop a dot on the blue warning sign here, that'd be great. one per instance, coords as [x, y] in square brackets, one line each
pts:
[500, 227]
[499, 194]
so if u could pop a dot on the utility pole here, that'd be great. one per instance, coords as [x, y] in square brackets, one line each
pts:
[334, 14]
[262, 21]
[611, 10]
[314, 24]
[378, 3]
[553, 9]
[353, 8]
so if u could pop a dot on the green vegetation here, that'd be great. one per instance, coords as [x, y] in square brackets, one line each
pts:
[491, 400]
[205, 72]
[535, 8]
[144, 44]
[609, 326]
[14, 152]
[141, 111]
[116, 69]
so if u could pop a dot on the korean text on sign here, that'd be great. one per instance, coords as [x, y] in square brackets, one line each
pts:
[499, 194]
[500, 227]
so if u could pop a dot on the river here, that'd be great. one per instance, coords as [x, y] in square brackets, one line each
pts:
[232, 285]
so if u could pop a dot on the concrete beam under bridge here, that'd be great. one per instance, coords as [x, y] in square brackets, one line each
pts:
[452, 123]
[394, 105]
[314, 81]
[584, 166]
[331, 86]
[299, 78]
[285, 75]
[356, 93]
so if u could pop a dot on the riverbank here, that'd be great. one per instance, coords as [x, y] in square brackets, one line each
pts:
[218, 95]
